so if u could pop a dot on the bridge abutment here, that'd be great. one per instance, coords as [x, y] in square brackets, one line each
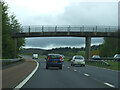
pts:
[88, 47]
[15, 48]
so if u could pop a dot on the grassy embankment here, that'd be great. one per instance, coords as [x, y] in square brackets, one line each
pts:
[113, 65]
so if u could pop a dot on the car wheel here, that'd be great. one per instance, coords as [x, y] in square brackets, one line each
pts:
[71, 65]
[83, 65]
[46, 67]
[60, 67]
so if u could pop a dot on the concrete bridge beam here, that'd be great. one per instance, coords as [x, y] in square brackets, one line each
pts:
[88, 46]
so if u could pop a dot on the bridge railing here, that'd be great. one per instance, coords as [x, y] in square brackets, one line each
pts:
[28, 29]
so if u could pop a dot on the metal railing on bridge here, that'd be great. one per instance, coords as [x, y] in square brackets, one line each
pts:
[69, 28]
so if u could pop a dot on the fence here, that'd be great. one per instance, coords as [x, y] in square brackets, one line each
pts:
[69, 28]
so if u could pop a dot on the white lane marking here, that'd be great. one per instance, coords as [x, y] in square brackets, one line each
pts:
[75, 70]
[63, 65]
[27, 78]
[68, 67]
[109, 85]
[86, 74]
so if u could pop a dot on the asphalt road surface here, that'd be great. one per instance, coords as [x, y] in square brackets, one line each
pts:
[72, 77]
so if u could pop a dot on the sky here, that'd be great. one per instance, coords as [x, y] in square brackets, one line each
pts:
[64, 12]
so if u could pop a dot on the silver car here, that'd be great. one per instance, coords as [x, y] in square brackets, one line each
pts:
[78, 60]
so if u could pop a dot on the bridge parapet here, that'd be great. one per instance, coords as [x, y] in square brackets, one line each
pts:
[70, 28]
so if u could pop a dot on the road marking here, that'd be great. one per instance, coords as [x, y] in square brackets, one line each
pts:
[109, 85]
[86, 74]
[68, 67]
[75, 70]
[63, 65]
[27, 78]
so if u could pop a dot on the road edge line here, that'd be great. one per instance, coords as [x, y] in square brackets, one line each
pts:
[20, 85]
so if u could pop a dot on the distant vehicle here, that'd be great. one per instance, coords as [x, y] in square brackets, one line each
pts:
[54, 60]
[96, 57]
[117, 57]
[78, 60]
[35, 56]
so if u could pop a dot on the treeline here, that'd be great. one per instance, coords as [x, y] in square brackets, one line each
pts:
[110, 47]
[67, 51]
[10, 25]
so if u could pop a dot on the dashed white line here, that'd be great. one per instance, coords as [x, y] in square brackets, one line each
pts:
[110, 85]
[86, 74]
[68, 67]
[75, 70]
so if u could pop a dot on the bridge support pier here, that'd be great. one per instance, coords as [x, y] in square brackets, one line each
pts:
[15, 48]
[88, 46]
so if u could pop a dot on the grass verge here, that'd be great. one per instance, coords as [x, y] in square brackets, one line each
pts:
[4, 64]
[113, 65]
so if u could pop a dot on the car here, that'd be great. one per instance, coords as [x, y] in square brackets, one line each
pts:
[54, 60]
[117, 57]
[96, 57]
[35, 56]
[62, 58]
[78, 60]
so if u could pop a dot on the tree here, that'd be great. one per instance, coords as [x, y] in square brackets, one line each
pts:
[9, 26]
[110, 47]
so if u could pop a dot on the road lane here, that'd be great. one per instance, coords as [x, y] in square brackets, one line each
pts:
[100, 74]
[65, 78]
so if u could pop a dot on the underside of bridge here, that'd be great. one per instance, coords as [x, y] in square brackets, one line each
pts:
[87, 46]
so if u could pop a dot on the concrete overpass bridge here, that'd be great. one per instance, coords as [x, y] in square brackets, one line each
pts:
[67, 31]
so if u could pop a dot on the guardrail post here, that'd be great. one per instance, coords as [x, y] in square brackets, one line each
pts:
[15, 49]
[69, 30]
[42, 28]
[96, 28]
[88, 45]
[55, 28]
[29, 29]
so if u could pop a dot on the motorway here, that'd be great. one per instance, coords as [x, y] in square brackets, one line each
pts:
[72, 77]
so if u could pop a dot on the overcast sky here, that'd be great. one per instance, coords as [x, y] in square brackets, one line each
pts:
[64, 12]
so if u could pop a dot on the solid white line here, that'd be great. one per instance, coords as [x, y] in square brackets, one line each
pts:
[27, 78]
[86, 74]
[109, 85]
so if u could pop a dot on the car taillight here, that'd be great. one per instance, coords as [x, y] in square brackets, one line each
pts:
[60, 59]
[48, 58]
[83, 60]
[73, 60]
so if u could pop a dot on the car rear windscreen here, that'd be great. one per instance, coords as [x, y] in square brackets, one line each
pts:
[54, 57]
[78, 57]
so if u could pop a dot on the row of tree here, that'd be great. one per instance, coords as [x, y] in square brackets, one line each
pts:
[110, 47]
[10, 25]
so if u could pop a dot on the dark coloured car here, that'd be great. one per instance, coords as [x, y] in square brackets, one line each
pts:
[54, 60]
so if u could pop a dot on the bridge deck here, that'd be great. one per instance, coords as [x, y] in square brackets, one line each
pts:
[64, 31]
